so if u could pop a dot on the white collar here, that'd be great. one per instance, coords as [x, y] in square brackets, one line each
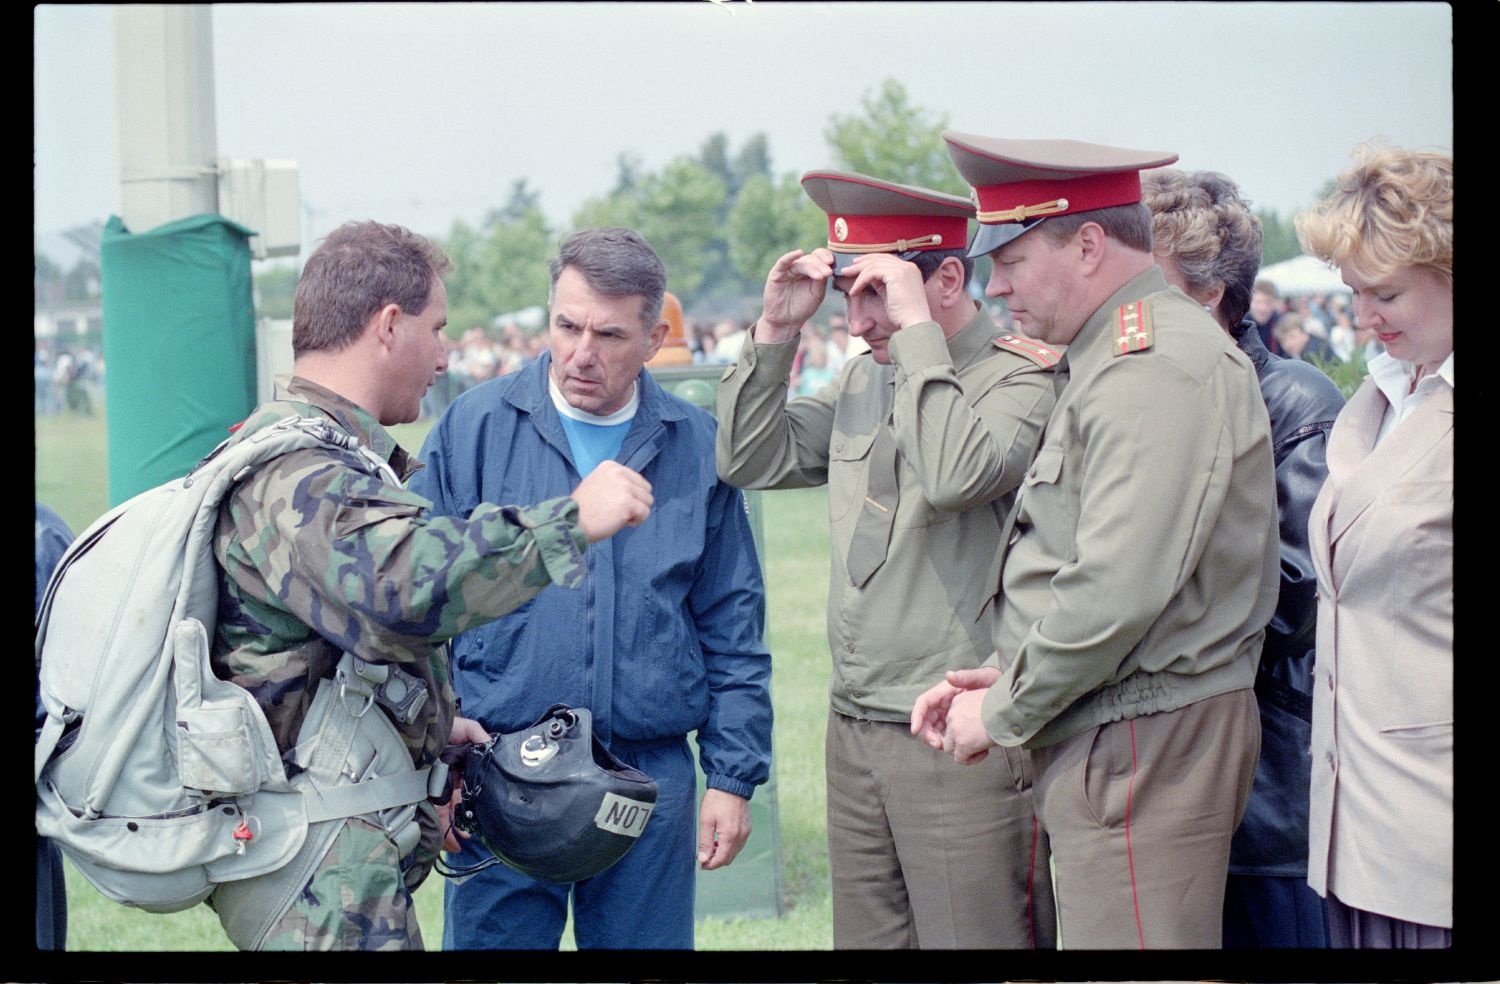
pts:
[620, 416]
[1393, 376]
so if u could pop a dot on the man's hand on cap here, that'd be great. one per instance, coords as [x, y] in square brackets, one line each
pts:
[794, 292]
[897, 281]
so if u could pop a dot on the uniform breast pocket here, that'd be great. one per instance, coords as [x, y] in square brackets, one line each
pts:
[846, 472]
[361, 511]
[1043, 479]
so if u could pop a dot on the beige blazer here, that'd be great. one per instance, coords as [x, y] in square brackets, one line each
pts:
[1381, 531]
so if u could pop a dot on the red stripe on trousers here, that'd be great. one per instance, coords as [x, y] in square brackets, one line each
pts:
[1129, 855]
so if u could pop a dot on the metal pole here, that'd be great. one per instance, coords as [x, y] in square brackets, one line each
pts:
[164, 73]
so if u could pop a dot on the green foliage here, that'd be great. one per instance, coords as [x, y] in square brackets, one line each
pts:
[714, 156]
[1278, 238]
[894, 140]
[695, 213]
[1347, 376]
[51, 283]
[502, 267]
[627, 173]
[46, 279]
[274, 291]
[82, 282]
[676, 210]
[616, 209]
[524, 201]
[753, 158]
[723, 282]
[769, 219]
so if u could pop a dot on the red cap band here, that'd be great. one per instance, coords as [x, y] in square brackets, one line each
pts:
[896, 233]
[1030, 199]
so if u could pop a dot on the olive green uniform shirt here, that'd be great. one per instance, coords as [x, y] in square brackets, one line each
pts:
[966, 416]
[1142, 568]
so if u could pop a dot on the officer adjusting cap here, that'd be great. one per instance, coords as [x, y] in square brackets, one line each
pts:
[868, 215]
[1018, 184]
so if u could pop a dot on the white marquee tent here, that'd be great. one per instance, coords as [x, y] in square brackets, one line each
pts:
[1303, 275]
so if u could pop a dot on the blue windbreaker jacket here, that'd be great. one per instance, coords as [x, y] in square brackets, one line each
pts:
[665, 636]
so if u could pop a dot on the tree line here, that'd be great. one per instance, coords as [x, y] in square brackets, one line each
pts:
[719, 216]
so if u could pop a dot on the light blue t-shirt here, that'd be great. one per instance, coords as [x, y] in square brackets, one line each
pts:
[592, 438]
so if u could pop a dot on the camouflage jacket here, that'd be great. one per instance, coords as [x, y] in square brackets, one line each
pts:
[320, 556]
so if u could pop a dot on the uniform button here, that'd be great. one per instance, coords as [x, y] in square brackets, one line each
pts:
[849, 646]
[838, 448]
[1330, 681]
[1330, 760]
[1015, 729]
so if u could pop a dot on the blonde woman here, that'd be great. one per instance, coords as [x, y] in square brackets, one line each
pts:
[1381, 837]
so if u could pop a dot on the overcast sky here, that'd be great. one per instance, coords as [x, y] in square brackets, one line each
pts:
[423, 114]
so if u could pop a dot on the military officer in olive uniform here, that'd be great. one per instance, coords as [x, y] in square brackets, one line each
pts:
[921, 442]
[1141, 569]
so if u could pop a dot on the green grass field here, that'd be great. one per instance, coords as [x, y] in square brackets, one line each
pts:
[71, 477]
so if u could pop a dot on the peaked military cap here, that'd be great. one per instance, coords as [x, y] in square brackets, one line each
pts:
[1020, 183]
[868, 215]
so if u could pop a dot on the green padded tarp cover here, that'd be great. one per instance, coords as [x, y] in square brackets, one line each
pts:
[179, 345]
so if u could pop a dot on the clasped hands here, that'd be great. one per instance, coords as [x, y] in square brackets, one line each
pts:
[948, 717]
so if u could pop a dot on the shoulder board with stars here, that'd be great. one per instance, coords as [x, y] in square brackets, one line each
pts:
[1133, 328]
[1042, 355]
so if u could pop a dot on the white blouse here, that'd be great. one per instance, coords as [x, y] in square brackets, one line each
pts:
[1393, 378]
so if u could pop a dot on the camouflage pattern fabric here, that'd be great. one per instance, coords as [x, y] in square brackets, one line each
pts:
[320, 556]
[355, 900]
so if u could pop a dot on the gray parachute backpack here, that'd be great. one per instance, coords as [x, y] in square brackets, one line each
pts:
[161, 782]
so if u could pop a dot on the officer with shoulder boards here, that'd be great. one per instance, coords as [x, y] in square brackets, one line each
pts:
[921, 443]
[1141, 568]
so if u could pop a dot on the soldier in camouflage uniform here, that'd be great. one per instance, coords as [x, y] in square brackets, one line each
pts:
[319, 556]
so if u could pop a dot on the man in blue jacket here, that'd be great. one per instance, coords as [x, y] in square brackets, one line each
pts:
[663, 639]
[52, 540]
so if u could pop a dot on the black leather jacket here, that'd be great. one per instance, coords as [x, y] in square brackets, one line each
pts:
[1303, 403]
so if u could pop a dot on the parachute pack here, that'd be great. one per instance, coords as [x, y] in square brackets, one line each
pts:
[162, 782]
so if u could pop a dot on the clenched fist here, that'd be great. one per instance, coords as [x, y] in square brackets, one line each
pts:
[611, 498]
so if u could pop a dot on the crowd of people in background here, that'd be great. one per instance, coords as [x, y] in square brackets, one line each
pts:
[72, 379]
[1316, 328]
[477, 356]
[824, 348]
[480, 354]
